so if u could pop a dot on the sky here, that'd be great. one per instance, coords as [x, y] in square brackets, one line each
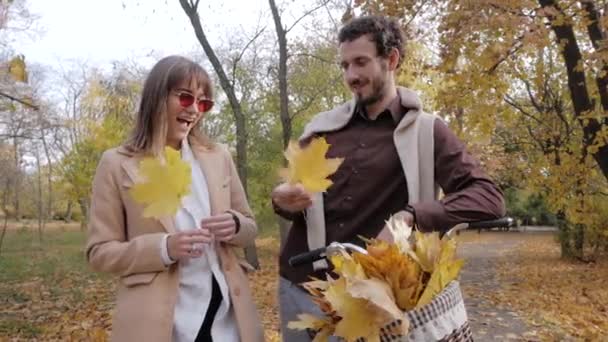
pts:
[101, 31]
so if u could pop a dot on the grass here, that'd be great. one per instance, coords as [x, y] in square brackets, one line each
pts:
[48, 292]
[24, 256]
[41, 281]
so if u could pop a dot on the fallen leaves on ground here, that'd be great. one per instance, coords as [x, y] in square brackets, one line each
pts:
[69, 307]
[264, 283]
[562, 299]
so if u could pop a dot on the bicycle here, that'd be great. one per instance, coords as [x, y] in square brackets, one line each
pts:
[444, 318]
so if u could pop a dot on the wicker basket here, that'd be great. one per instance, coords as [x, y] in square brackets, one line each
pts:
[444, 319]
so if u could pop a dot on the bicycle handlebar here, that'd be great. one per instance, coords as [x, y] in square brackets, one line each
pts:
[320, 253]
[334, 247]
[501, 222]
[307, 257]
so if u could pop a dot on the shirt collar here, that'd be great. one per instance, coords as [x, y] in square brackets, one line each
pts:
[395, 109]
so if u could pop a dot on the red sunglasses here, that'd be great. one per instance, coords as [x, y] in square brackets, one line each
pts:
[186, 100]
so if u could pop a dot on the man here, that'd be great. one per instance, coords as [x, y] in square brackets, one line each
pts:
[395, 157]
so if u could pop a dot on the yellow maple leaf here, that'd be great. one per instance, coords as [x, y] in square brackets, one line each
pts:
[323, 327]
[440, 278]
[360, 318]
[401, 232]
[346, 266]
[445, 270]
[308, 321]
[17, 69]
[309, 166]
[399, 270]
[427, 251]
[377, 292]
[166, 183]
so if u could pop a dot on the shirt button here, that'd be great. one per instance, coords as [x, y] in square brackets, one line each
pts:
[348, 198]
[341, 225]
[355, 171]
[362, 144]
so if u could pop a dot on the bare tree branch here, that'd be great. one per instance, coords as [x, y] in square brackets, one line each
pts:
[16, 136]
[34, 107]
[416, 12]
[307, 13]
[240, 56]
[517, 44]
[539, 108]
[511, 101]
[331, 17]
[312, 99]
[303, 54]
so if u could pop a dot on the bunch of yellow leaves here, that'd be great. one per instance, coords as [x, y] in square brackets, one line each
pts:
[437, 257]
[166, 181]
[356, 306]
[375, 289]
[309, 166]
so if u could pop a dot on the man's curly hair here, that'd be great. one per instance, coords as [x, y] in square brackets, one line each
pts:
[383, 31]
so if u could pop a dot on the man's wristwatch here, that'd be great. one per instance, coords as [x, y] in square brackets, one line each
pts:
[412, 211]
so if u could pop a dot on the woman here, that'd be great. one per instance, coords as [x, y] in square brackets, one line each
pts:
[179, 277]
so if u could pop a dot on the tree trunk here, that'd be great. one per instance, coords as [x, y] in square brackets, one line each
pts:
[84, 208]
[285, 116]
[4, 228]
[68, 212]
[191, 10]
[579, 241]
[49, 206]
[4, 208]
[17, 184]
[283, 91]
[598, 40]
[564, 235]
[583, 105]
[241, 141]
[40, 200]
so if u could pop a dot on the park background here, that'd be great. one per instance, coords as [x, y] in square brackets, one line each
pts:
[523, 83]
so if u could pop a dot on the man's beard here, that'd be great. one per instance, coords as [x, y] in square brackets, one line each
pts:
[377, 85]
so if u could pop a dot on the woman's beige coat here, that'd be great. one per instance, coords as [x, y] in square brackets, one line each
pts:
[122, 242]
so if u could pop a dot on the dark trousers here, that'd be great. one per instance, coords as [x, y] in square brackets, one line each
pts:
[204, 334]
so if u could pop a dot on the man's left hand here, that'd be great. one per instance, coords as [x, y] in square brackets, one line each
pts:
[385, 233]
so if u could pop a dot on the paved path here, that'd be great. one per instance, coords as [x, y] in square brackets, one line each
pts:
[478, 278]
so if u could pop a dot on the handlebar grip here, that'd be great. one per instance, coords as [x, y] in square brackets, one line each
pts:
[501, 222]
[307, 257]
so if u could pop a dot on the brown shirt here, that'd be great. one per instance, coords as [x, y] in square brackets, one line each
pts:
[370, 186]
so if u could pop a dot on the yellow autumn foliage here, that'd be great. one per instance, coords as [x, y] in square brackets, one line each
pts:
[165, 183]
[309, 166]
